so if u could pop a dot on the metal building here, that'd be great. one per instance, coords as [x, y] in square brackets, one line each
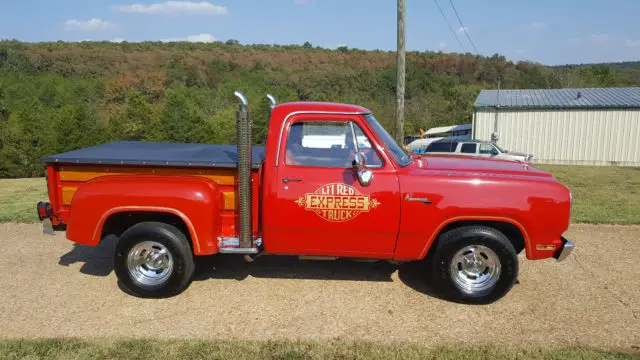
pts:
[598, 126]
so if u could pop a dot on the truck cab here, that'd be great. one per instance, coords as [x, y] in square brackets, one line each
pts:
[329, 183]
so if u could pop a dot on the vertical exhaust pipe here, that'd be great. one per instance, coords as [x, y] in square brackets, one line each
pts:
[272, 101]
[272, 104]
[243, 133]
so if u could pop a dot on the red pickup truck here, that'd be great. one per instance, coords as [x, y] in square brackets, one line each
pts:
[329, 183]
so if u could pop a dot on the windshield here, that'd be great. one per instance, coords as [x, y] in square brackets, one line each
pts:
[499, 149]
[401, 157]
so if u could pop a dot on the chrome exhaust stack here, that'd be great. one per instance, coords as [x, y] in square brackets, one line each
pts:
[243, 129]
[272, 101]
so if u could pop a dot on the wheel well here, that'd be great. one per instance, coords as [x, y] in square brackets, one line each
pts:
[511, 231]
[117, 223]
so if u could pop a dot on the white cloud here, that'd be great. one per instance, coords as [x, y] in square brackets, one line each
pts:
[537, 25]
[632, 43]
[205, 38]
[175, 8]
[462, 30]
[442, 45]
[600, 38]
[89, 25]
[301, 2]
[341, 45]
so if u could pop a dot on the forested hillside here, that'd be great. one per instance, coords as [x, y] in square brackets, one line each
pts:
[56, 97]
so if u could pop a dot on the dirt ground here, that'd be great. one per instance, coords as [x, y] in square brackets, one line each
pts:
[50, 287]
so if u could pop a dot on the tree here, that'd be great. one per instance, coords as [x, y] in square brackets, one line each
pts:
[134, 121]
[232, 42]
[307, 45]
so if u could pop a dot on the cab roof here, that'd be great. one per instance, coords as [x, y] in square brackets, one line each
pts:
[320, 107]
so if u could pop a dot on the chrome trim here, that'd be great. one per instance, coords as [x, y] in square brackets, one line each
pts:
[228, 241]
[238, 250]
[355, 140]
[365, 177]
[570, 205]
[284, 122]
[150, 263]
[353, 136]
[47, 227]
[564, 251]
[421, 199]
[272, 100]
[475, 269]
[242, 98]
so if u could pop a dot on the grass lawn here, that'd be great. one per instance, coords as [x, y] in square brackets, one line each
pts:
[602, 195]
[18, 198]
[189, 349]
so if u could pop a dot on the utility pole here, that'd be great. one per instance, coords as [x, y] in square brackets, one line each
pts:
[400, 63]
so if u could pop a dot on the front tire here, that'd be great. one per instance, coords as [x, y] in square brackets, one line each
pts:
[154, 260]
[474, 264]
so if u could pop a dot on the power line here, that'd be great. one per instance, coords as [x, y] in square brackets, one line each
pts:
[449, 24]
[464, 28]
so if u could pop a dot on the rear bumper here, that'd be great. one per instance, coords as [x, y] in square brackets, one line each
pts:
[44, 210]
[564, 250]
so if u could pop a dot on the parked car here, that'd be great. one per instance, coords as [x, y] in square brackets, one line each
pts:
[315, 198]
[474, 148]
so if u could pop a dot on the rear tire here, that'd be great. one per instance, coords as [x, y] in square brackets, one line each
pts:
[474, 264]
[154, 260]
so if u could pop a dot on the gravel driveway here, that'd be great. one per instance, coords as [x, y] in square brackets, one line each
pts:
[50, 287]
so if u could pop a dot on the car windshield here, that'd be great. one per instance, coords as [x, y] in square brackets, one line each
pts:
[499, 149]
[399, 155]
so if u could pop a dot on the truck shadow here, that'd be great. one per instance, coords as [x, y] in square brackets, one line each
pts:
[290, 267]
[412, 274]
[97, 260]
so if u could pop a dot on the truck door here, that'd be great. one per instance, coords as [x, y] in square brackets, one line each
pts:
[321, 207]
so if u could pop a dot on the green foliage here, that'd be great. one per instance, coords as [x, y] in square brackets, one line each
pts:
[56, 97]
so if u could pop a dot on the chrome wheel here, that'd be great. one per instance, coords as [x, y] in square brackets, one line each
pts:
[149, 263]
[475, 269]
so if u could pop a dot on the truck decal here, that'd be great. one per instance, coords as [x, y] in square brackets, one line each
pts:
[337, 202]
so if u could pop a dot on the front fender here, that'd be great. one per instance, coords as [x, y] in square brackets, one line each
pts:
[195, 200]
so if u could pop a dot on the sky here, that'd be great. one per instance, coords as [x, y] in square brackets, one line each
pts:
[550, 32]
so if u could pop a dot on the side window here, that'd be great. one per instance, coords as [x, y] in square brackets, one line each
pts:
[468, 148]
[320, 144]
[486, 149]
[442, 147]
[364, 145]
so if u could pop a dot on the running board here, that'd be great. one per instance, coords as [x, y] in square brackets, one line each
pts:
[230, 245]
[238, 250]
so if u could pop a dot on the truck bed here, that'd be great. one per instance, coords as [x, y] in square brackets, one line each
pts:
[157, 154]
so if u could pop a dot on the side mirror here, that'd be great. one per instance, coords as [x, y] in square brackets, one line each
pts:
[364, 175]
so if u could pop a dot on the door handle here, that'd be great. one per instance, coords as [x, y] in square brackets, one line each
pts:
[287, 180]
[423, 200]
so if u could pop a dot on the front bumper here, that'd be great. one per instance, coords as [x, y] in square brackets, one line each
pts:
[564, 250]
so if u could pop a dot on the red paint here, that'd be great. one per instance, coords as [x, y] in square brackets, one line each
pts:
[323, 214]
[194, 200]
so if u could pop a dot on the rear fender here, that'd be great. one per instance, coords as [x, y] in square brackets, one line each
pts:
[194, 200]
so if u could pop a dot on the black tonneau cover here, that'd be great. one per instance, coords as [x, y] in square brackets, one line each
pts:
[157, 154]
